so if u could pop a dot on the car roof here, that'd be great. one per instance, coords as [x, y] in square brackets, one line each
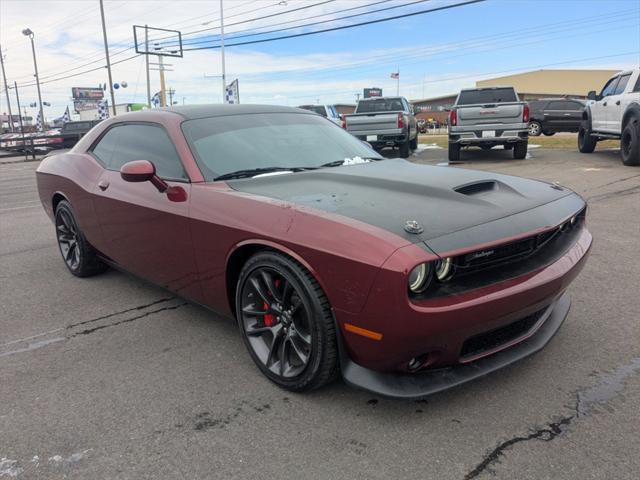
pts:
[191, 112]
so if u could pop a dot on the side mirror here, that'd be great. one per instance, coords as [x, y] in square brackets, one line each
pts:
[591, 95]
[142, 171]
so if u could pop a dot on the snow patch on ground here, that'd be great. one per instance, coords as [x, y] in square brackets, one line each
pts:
[428, 146]
[9, 467]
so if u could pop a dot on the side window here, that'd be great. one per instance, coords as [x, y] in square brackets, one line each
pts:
[610, 87]
[622, 84]
[637, 87]
[128, 142]
[575, 106]
[557, 105]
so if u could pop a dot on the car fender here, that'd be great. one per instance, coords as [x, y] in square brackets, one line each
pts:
[632, 110]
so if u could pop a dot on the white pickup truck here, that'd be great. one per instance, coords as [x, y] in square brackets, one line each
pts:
[614, 113]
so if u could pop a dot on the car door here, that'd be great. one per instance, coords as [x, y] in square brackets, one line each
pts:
[145, 231]
[573, 115]
[554, 116]
[615, 104]
[599, 107]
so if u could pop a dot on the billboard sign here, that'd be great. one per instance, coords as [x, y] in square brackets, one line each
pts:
[86, 98]
[372, 92]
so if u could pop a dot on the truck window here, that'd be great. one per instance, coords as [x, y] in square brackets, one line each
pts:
[610, 87]
[637, 87]
[622, 84]
[488, 95]
[380, 105]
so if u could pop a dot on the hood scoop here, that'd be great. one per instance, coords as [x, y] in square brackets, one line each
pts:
[477, 188]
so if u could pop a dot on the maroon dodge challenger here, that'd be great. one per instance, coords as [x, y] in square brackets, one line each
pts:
[405, 279]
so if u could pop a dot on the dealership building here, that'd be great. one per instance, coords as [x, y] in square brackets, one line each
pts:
[529, 85]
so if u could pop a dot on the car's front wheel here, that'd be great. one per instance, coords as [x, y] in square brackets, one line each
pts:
[286, 322]
[78, 255]
[586, 143]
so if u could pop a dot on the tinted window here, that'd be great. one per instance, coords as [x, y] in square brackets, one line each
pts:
[622, 84]
[564, 105]
[610, 87]
[124, 143]
[490, 95]
[380, 105]
[238, 142]
[537, 105]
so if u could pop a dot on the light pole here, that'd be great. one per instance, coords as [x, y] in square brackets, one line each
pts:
[106, 53]
[224, 77]
[6, 91]
[28, 33]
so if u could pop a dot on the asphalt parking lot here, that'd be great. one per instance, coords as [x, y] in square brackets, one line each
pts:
[109, 378]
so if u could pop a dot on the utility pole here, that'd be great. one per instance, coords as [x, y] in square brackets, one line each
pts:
[224, 78]
[27, 32]
[15, 85]
[171, 92]
[6, 91]
[106, 52]
[146, 61]
[163, 94]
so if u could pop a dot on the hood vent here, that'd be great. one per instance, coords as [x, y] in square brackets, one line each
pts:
[477, 188]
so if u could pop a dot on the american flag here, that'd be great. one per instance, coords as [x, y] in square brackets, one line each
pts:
[395, 75]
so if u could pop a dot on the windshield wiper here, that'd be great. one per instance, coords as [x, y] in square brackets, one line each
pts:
[339, 163]
[252, 172]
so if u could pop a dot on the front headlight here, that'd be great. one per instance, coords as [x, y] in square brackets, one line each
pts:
[420, 278]
[444, 269]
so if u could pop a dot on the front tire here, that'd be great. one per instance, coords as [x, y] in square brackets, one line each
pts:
[630, 143]
[535, 129]
[586, 143]
[79, 256]
[286, 322]
[520, 150]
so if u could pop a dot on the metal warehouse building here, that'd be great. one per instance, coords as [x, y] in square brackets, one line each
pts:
[529, 85]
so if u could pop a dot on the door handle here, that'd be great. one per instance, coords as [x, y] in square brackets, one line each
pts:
[103, 185]
[618, 102]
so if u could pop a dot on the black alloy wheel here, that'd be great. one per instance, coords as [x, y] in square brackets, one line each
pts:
[286, 322]
[79, 256]
[68, 239]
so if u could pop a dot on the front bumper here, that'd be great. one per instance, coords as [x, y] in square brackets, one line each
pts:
[428, 382]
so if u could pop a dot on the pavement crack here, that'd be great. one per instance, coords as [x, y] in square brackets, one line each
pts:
[617, 193]
[127, 320]
[132, 309]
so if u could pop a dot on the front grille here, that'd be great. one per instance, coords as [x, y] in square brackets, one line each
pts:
[487, 341]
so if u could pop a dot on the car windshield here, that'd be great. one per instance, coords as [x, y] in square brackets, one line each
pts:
[380, 105]
[492, 95]
[226, 144]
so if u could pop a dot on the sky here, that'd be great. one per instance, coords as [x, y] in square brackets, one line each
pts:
[436, 53]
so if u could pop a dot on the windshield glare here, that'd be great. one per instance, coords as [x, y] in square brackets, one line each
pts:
[227, 144]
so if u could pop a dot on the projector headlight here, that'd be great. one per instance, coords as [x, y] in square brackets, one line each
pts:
[420, 278]
[444, 269]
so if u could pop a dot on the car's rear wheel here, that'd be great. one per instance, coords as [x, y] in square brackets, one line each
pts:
[535, 128]
[586, 143]
[405, 149]
[549, 134]
[286, 322]
[414, 143]
[630, 143]
[78, 255]
[520, 150]
[454, 152]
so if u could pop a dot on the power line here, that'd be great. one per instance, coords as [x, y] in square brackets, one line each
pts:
[343, 27]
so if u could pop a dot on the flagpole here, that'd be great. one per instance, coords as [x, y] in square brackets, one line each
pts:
[224, 80]
[398, 83]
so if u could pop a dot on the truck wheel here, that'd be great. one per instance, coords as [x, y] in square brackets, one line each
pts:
[454, 152]
[586, 143]
[414, 143]
[535, 129]
[630, 143]
[520, 150]
[405, 149]
[549, 134]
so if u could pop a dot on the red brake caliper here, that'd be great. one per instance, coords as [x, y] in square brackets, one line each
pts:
[269, 319]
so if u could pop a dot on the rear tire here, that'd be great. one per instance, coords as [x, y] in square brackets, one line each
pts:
[414, 143]
[286, 322]
[630, 143]
[535, 129]
[520, 150]
[549, 134]
[586, 143]
[79, 256]
[454, 152]
[405, 149]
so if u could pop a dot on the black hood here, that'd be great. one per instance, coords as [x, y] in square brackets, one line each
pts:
[390, 193]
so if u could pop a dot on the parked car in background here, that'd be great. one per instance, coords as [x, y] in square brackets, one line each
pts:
[552, 115]
[485, 117]
[408, 279]
[614, 113]
[328, 111]
[384, 122]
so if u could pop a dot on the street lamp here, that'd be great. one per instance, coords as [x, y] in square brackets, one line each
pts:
[27, 32]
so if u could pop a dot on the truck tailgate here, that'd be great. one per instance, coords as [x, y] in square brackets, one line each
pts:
[490, 114]
[369, 122]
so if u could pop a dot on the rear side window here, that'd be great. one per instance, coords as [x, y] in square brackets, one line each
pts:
[124, 143]
[622, 84]
[490, 95]
[565, 105]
